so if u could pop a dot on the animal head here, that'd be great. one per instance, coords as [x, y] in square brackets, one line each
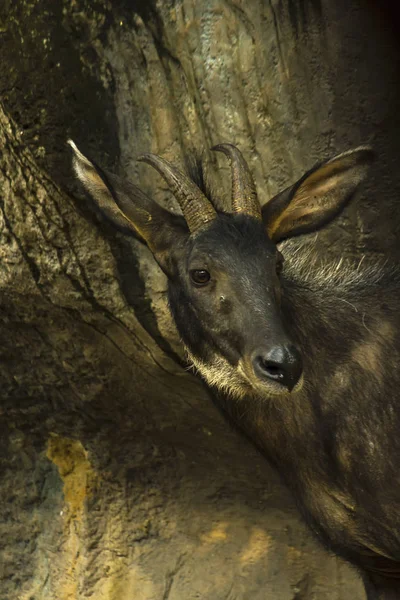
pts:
[224, 269]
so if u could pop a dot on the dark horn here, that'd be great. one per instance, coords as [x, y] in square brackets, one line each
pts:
[196, 208]
[244, 195]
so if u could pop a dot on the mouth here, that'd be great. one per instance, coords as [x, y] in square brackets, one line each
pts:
[238, 381]
[267, 387]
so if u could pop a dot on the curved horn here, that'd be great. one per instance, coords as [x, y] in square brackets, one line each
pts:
[196, 208]
[244, 195]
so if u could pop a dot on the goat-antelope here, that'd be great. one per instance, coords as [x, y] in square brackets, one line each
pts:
[304, 357]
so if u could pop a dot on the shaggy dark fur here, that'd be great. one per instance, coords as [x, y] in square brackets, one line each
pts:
[335, 438]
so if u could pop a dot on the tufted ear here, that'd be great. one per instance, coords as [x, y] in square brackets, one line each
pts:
[129, 209]
[318, 197]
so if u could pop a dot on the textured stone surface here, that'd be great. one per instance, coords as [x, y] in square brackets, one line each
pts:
[119, 480]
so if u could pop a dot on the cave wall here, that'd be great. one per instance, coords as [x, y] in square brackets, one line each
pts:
[119, 480]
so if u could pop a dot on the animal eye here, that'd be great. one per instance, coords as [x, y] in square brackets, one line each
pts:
[279, 263]
[200, 276]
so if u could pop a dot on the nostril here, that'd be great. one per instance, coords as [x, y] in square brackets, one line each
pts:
[270, 368]
[281, 364]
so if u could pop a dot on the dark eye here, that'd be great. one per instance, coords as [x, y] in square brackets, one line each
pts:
[200, 276]
[279, 263]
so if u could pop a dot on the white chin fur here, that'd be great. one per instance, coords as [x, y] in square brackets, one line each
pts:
[222, 375]
[233, 381]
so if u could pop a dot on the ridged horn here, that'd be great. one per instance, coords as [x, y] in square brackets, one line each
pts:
[244, 194]
[196, 208]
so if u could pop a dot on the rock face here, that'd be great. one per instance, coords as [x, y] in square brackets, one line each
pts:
[119, 480]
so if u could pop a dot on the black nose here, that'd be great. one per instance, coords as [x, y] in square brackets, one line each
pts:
[281, 364]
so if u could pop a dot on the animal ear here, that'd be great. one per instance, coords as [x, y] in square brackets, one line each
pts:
[318, 197]
[129, 209]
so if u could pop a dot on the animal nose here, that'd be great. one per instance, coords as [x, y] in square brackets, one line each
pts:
[282, 364]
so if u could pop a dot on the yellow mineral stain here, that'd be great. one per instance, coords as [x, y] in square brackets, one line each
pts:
[257, 547]
[79, 481]
[78, 477]
[294, 554]
[128, 582]
[215, 535]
